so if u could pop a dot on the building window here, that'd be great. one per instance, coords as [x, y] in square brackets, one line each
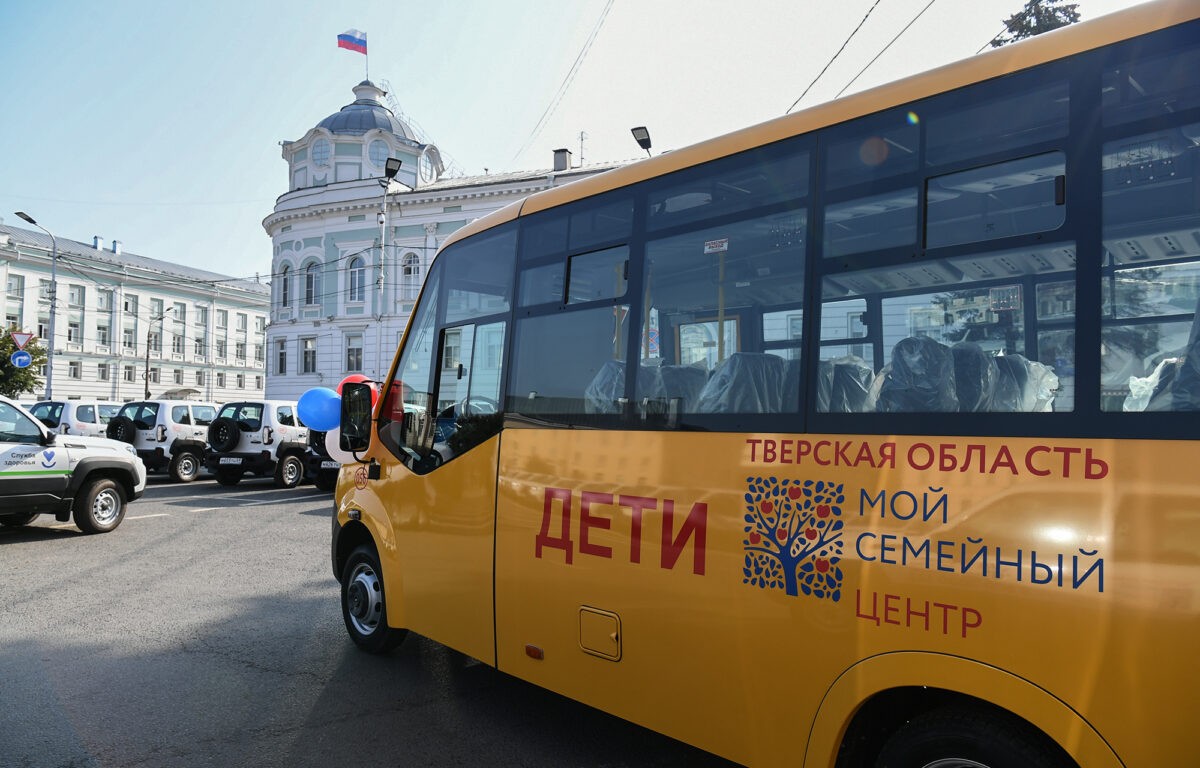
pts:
[222, 318]
[177, 343]
[75, 296]
[156, 309]
[220, 379]
[410, 275]
[154, 375]
[154, 339]
[177, 377]
[102, 335]
[43, 328]
[281, 356]
[258, 382]
[321, 152]
[260, 324]
[241, 381]
[104, 300]
[44, 290]
[130, 305]
[354, 352]
[311, 285]
[258, 353]
[12, 319]
[102, 371]
[308, 355]
[179, 310]
[201, 316]
[75, 369]
[15, 287]
[220, 346]
[357, 280]
[74, 332]
[199, 378]
[239, 351]
[241, 321]
[129, 373]
[285, 282]
[129, 338]
[200, 346]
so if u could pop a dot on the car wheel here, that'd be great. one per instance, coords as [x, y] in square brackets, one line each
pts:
[229, 476]
[289, 471]
[17, 520]
[223, 434]
[100, 506]
[363, 606]
[326, 480]
[185, 467]
[121, 428]
[969, 737]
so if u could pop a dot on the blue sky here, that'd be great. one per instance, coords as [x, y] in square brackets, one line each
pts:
[158, 123]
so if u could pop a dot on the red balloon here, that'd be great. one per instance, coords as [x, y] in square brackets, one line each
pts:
[358, 378]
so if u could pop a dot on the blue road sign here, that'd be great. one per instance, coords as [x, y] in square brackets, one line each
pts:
[21, 358]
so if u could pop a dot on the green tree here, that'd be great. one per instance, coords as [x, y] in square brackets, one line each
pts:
[1036, 17]
[15, 381]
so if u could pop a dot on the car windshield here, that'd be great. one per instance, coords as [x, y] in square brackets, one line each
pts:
[146, 413]
[16, 427]
[50, 413]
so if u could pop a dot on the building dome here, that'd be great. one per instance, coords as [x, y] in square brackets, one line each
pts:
[366, 113]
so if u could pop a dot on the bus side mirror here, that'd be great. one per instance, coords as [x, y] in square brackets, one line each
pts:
[355, 423]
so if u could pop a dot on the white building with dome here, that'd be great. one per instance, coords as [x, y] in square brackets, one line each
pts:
[349, 255]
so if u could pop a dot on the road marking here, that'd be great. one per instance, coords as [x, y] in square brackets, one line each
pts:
[143, 517]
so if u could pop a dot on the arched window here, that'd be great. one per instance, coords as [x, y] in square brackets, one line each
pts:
[410, 275]
[357, 280]
[285, 286]
[312, 284]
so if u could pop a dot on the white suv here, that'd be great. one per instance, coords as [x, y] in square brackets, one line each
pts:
[166, 433]
[76, 417]
[259, 436]
[89, 478]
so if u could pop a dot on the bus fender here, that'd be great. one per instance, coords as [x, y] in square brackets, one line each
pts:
[910, 669]
[364, 519]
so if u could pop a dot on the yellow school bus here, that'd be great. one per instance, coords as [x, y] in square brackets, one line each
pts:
[861, 437]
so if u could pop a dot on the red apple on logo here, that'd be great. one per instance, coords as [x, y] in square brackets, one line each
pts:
[811, 534]
[822, 510]
[767, 507]
[780, 533]
[755, 537]
[794, 492]
[822, 566]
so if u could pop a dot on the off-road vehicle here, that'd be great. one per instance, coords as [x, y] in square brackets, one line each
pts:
[258, 436]
[76, 417]
[166, 433]
[89, 478]
[318, 466]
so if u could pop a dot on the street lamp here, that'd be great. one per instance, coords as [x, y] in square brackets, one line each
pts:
[149, 333]
[53, 302]
[641, 135]
[390, 168]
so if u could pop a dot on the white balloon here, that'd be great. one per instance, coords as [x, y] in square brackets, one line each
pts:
[333, 447]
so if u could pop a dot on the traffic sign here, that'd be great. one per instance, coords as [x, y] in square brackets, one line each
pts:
[21, 358]
[21, 338]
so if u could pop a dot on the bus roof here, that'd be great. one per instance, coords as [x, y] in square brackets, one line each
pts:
[1060, 43]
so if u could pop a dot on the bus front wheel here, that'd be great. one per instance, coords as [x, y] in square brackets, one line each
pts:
[969, 737]
[363, 606]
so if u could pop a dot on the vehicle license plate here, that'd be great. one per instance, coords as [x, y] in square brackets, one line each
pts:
[231, 460]
[330, 465]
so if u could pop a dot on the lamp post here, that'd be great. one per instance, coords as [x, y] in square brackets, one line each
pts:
[390, 168]
[149, 335]
[53, 302]
[641, 135]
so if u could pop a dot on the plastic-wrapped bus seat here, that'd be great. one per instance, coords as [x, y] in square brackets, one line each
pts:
[921, 378]
[1011, 395]
[975, 375]
[607, 387]
[1042, 386]
[824, 385]
[747, 382]
[1156, 391]
[683, 382]
[850, 382]
[1185, 390]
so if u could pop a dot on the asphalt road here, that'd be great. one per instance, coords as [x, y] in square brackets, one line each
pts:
[205, 631]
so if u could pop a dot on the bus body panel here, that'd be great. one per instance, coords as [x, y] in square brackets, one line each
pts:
[933, 560]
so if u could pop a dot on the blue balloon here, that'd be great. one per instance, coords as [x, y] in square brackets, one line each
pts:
[320, 408]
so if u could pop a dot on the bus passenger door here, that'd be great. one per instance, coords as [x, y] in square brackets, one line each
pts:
[442, 507]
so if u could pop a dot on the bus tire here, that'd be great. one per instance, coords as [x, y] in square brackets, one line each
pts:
[364, 608]
[970, 737]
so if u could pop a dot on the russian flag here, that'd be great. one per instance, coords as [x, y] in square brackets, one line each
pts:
[353, 40]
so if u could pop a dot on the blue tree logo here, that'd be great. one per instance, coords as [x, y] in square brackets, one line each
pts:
[794, 536]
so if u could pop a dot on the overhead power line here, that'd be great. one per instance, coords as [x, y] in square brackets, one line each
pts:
[566, 83]
[885, 48]
[829, 63]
